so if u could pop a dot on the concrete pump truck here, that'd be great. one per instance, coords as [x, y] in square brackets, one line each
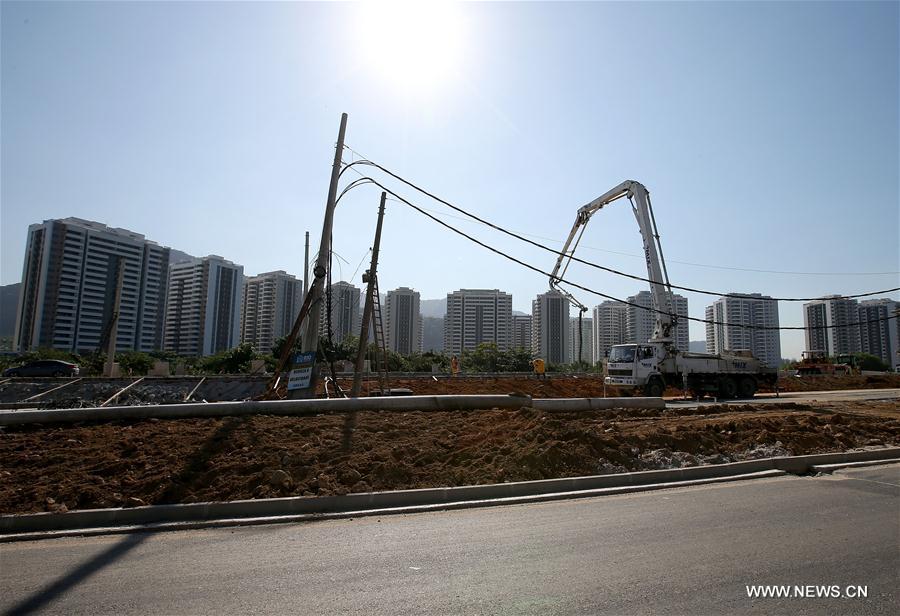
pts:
[652, 365]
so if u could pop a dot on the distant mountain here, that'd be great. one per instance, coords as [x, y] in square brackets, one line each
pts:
[432, 333]
[176, 256]
[433, 307]
[9, 302]
[520, 313]
[697, 346]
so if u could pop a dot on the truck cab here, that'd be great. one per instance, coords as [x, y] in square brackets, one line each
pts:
[636, 365]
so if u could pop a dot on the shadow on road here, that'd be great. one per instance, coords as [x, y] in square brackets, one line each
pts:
[107, 557]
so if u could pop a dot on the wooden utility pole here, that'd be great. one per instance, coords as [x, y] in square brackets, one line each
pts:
[369, 305]
[311, 337]
[114, 321]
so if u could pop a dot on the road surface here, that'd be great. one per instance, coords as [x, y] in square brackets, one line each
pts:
[846, 395]
[680, 551]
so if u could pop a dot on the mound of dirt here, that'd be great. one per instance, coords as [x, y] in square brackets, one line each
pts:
[129, 463]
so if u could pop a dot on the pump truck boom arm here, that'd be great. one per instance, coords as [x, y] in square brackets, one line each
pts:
[660, 290]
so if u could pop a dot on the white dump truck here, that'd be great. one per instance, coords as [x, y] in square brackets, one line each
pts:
[651, 366]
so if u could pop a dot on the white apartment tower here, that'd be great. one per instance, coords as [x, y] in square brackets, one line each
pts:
[69, 280]
[838, 315]
[476, 316]
[587, 340]
[642, 321]
[609, 328]
[346, 316]
[550, 327]
[878, 331]
[272, 301]
[747, 310]
[403, 321]
[203, 311]
[521, 336]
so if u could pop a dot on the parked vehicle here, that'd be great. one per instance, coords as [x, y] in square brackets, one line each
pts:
[44, 367]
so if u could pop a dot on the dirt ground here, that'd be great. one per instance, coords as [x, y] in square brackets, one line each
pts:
[567, 386]
[130, 463]
[94, 391]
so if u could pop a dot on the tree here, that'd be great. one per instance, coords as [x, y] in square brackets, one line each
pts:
[134, 362]
[871, 362]
[422, 362]
[278, 346]
[232, 361]
[515, 360]
[482, 359]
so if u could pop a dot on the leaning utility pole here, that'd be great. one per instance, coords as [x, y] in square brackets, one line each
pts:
[109, 367]
[306, 267]
[311, 338]
[369, 305]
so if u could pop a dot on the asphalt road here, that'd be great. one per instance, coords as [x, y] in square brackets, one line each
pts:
[680, 551]
[846, 395]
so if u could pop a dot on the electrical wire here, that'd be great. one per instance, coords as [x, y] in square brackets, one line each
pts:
[691, 263]
[356, 271]
[610, 297]
[572, 257]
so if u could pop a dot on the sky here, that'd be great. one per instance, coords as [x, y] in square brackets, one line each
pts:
[767, 134]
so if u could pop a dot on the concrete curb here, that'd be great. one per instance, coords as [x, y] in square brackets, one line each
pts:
[313, 517]
[317, 406]
[830, 468]
[436, 498]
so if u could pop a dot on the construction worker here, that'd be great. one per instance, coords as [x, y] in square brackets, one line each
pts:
[454, 366]
[539, 367]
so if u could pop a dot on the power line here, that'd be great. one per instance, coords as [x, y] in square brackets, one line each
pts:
[595, 265]
[365, 160]
[604, 295]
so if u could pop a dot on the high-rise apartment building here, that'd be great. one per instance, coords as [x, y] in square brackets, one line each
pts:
[272, 301]
[521, 335]
[754, 310]
[69, 283]
[476, 316]
[550, 327]
[839, 315]
[609, 328]
[878, 332]
[346, 316]
[403, 321]
[586, 340]
[642, 321]
[203, 311]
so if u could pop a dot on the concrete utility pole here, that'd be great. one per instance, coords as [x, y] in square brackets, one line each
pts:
[306, 267]
[369, 305]
[114, 324]
[311, 338]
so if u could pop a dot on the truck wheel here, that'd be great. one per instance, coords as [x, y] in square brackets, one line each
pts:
[727, 387]
[654, 388]
[747, 387]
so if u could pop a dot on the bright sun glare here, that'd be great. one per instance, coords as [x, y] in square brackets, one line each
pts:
[413, 47]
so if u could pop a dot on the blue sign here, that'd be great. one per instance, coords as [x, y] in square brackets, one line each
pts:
[301, 370]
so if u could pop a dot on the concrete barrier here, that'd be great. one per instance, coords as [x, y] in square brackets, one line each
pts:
[267, 407]
[318, 406]
[455, 497]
